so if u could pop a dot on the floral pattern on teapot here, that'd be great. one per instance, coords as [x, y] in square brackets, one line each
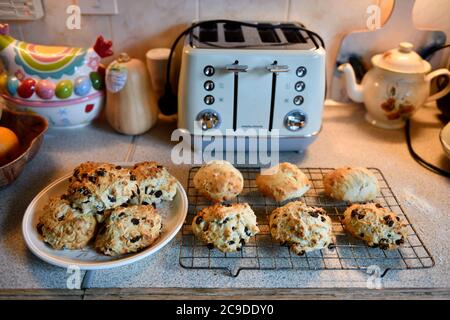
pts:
[397, 104]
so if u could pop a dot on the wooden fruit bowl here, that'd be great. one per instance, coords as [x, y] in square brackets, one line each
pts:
[30, 130]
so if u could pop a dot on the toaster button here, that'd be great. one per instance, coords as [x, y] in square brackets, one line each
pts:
[208, 85]
[295, 120]
[298, 100]
[209, 71]
[209, 99]
[301, 71]
[300, 86]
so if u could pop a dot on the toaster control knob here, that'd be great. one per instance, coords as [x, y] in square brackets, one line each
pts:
[300, 86]
[208, 85]
[209, 71]
[208, 119]
[301, 71]
[209, 99]
[295, 120]
[298, 100]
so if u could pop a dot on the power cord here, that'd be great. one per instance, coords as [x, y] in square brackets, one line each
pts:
[419, 159]
[168, 102]
[413, 154]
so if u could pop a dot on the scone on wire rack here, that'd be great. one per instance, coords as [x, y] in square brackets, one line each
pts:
[219, 181]
[226, 227]
[283, 182]
[155, 183]
[375, 225]
[128, 229]
[351, 184]
[96, 187]
[64, 227]
[301, 227]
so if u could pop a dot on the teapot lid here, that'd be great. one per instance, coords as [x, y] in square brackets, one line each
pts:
[402, 59]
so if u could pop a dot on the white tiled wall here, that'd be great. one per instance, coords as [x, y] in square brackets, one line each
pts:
[244, 10]
[145, 24]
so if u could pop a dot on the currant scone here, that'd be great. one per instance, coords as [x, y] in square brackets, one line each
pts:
[226, 227]
[128, 229]
[301, 227]
[64, 227]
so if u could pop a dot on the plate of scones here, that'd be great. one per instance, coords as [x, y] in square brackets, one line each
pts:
[105, 215]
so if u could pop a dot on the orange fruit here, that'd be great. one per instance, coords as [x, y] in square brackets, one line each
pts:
[9, 145]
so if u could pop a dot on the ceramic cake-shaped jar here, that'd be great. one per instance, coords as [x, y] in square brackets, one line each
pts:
[63, 84]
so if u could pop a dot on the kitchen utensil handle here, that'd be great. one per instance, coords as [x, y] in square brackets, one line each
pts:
[442, 92]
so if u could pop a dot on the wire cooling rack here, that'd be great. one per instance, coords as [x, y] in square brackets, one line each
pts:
[263, 253]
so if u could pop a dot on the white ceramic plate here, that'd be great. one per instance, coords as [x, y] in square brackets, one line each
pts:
[445, 139]
[173, 215]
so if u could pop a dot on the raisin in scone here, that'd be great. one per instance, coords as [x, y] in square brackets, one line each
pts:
[155, 183]
[301, 227]
[377, 226]
[282, 182]
[64, 227]
[128, 229]
[219, 181]
[96, 187]
[351, 184]
[226, 227]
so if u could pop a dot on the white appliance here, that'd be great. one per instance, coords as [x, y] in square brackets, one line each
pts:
[238, 78]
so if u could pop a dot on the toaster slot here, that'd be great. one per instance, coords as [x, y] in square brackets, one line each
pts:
[272, 97]
[235, 100]
[292, 35]
[267, 34]
[272, 100]
[236, 68]
[208, 32]
[233, 32]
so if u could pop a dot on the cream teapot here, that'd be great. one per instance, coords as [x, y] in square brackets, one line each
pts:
[396, 86]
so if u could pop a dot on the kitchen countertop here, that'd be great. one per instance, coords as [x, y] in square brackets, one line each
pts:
[346, 139]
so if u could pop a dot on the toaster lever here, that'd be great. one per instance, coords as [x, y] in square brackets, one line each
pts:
[275, 68]
[237, 67]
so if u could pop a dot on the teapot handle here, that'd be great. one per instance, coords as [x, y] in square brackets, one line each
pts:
[442, 92]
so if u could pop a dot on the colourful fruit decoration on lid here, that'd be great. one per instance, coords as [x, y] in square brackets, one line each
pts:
[12, 85]
[26, 88]
[82, 86]
[97, 80]
[45, 89]
[64, 89]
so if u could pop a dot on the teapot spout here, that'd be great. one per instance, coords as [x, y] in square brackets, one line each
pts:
[354, 90]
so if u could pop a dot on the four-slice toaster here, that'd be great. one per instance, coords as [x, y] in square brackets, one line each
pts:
[235, 78]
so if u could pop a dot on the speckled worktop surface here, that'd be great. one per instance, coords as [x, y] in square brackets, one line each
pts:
[346, 139]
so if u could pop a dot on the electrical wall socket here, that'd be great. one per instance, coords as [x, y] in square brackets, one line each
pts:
[98, 7]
